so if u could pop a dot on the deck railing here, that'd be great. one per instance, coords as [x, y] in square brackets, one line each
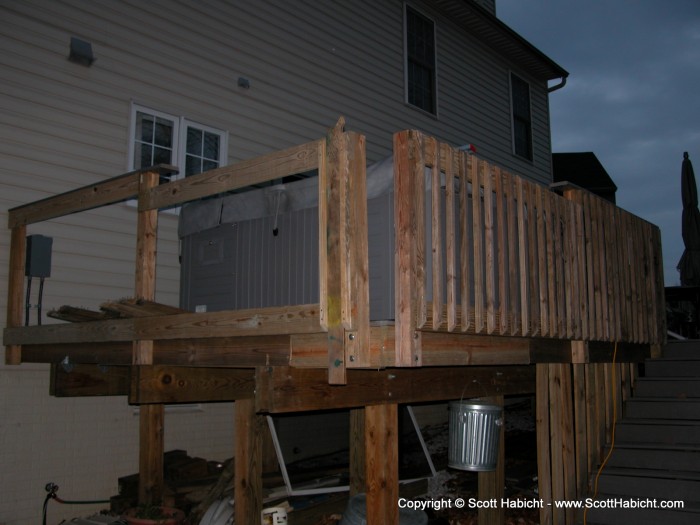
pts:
[480, 250]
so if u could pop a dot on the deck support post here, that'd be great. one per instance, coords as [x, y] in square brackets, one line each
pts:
[152, 416]
[559, 393]
[151, 454]
[248, 441]
[491, 483]
[15, 284]
[357, 451]
[382, 464]
[544, 459]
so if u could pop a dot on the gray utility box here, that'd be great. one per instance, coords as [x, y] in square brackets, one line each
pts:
[260, 248]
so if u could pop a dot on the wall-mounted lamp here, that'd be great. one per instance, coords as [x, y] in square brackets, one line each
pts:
[81, 52]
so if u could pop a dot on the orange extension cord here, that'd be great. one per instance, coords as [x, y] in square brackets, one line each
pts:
[612, 434]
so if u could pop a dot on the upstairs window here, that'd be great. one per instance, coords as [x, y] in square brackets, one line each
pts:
[522, 119]
[160, 138]
[421, 74]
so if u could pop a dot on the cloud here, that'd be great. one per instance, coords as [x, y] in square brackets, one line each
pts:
[631, 97]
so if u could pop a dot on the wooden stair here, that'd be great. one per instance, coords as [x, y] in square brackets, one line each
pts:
[657, 444]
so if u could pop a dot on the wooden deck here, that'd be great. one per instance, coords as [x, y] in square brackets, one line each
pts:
[494, 274]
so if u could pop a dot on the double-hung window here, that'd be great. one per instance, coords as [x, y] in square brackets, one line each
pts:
[161, 138]
[421, 72]
[522, 116]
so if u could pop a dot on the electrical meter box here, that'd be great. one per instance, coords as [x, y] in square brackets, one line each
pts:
[38, 263]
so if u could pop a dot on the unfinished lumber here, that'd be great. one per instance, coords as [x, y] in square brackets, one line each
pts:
[133, 307]
[432, 154]
[274, 165]
[89, 380]
[410, 236]
[523, 258]
[358, 472]
[286, 389]
[502, 251]
[116, 189]
[249, 427]
[151, 421]
[15, 285]
[464, 243]
[280, 320]
[151, 417]
[344, 272]
[492, 483]
[476, 176]
[580, 425]
[245, 352]
[381, 464]
[75, 314]
[180, 384]
[451, 231]
[542, 425]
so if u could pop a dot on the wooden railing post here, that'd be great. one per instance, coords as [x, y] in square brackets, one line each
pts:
[409, 216]
[343, 252]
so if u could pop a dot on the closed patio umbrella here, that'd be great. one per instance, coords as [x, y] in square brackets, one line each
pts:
[689, 265]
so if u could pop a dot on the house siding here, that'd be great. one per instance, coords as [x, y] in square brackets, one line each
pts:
[63, 126]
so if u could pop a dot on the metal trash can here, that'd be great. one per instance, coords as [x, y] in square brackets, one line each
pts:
[474, 434]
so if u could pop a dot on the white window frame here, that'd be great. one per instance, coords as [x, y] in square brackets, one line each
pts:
[180, 125]
[434, 113]
[182, 152]
[136, 108]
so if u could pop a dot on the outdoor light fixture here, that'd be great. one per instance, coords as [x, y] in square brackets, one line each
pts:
[81, 52]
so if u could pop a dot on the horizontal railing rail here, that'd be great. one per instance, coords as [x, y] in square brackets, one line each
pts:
[343, 309]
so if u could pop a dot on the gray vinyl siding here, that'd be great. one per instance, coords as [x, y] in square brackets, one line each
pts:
[306, 65]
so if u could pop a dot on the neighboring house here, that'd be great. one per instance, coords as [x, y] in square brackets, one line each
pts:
[202, 84]
[584, 170]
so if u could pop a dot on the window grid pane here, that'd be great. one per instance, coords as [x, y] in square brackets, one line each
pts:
[153, 141]
[194, 141]
[211, 146]
[202, 151]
